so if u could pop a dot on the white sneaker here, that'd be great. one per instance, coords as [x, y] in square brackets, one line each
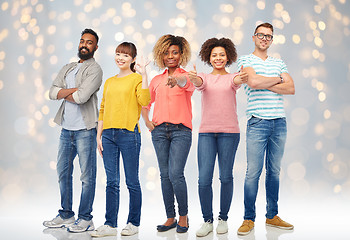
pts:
[104, 230]
[129, 230]
[59, 222]
[222, 226]
[205, 229]
[81, 225]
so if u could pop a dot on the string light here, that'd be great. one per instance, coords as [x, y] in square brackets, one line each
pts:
[40, 37]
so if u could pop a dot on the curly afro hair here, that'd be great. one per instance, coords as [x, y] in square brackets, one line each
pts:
[211, 43]
[164, 43]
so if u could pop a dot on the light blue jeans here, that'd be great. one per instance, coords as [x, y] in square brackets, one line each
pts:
[127, 143]
[83, 144]
[209, 145]
[265, 140]
[172, 143]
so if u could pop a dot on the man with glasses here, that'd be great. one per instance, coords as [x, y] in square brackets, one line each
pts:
[268, 81]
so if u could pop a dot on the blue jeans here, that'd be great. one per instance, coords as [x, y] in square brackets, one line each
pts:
[172, 143]
[209, 145]
[114, 142]
[265, 138]
[83, 143]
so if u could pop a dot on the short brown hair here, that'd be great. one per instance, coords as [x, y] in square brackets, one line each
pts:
[211, 43]
[266, 25]
[163, 44]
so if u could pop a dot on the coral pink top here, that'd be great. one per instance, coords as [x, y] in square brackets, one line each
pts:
[172, 105]
[219, 109]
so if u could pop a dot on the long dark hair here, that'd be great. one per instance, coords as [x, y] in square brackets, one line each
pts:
[130, 49]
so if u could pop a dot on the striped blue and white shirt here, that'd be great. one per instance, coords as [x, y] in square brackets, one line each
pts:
[263, 103]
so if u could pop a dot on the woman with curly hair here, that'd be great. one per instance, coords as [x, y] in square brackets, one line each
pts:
[219, 130]
[171, 125]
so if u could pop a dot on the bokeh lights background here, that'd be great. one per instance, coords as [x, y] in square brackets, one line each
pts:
[37, 37]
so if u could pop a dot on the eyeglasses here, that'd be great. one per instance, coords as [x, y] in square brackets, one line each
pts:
[261, 36]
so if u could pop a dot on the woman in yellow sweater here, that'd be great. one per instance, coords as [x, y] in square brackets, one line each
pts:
[118, 133]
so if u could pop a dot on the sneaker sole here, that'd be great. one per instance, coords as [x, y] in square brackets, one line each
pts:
[103, 235]
[280, 227]
[59, 226]
[203, 235]
[218, 232]
[89, 228]
[244, 233]
[127, 234]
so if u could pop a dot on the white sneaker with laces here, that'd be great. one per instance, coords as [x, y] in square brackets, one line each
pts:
[222, 226]
[205, 229]
[81, 225]
[103, 231]
[58, 222]
[129, 230]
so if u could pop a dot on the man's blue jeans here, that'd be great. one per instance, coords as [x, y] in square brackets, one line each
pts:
[265, 138]
[127, 143]
[172, 143]
[209, 145]
[83, 144]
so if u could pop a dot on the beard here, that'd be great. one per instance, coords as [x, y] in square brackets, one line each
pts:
[85, 56]
[262, 48]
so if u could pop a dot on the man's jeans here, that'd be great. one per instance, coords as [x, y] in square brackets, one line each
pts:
[127, 143]
[172, 143]
[265, 138]
[83, 144]
[209, 145]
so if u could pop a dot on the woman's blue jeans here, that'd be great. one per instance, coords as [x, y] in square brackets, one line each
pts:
[224, 145]
[172, 143]
[265, 139]
[83, 144]
[115, 142]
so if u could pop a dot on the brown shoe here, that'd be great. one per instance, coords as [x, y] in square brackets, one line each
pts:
[247, 227]
[277, 222]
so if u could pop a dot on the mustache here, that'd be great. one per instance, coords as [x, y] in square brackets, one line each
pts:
[84, 48]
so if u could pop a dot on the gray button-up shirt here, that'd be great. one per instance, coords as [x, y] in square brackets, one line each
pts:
[88, 81]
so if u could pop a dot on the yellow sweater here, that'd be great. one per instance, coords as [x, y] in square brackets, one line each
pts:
[122, 101]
